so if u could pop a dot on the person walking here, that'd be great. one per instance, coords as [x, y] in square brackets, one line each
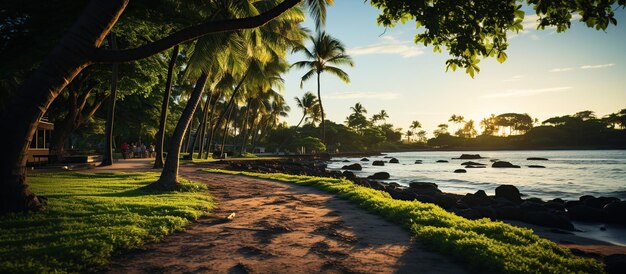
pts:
[124, 150]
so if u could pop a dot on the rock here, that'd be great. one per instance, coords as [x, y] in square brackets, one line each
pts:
[418, 162]
[378, 163]
[475, 166]
[530, 206]
[394, 184]
[352, 167]
[348, 175]
[379, 176]
[599, 202]
[494, 160]
[615, 264]
[509, 213]
[548, 219]
[509, 192]
[470, 157]
[442, 161]
[345, 161]
[423, 185]
[365, 160]
[460, 171]
[615, 212]
[481, 193]
[503, 164]
[486, 211]
[557, 200]
[585, 213]
[586, 197]
[536, 166]
[394, 161]
[476, 199]
[470, 163]
[536, 159]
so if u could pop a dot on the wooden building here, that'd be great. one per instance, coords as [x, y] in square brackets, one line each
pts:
[40, 144]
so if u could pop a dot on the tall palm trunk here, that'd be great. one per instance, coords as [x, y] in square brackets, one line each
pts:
[301, 119]
[107, 160]
[243, 133]
[205, 116]
[169, 174]
[158, 163]
[319, 98]
[209, 145]
[230, 113]
[193, 142]
[218, 123]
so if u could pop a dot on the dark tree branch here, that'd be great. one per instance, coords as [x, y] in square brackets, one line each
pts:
[103, 55]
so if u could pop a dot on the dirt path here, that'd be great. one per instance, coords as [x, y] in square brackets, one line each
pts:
[282, 228]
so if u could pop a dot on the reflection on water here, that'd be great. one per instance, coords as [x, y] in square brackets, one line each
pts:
[568, 174]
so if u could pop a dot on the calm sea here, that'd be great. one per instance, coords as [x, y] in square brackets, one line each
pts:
[568, 173]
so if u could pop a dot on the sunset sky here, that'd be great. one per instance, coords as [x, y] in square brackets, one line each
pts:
[546, 74]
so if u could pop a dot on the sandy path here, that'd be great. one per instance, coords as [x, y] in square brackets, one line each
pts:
[282, 228]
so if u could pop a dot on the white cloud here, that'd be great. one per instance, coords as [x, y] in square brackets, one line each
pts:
[597, 66]
[515, 78]
[362, 95]
[388, 45]
[561, 69]
[525, 92]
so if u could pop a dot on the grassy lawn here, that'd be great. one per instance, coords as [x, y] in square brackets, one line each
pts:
[485, 245]
[91, 217]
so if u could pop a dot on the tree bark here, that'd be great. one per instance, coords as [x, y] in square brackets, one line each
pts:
[213, 106]
[107, 160]
[191, 145]
[205, 115]
[230, 113]
[167, 93]
[169, 174]
[218, 123]
[244, 124]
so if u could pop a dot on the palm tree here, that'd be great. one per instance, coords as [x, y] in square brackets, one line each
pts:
[421, 136]
[381, 116]
[306, 103]
[326, 51]
[409, 133]
[456, 119]
[415, 125]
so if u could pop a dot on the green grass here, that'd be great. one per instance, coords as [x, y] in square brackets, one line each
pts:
[91, 217]
[484, 245]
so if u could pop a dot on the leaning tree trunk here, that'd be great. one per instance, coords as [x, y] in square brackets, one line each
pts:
[19, 121]
[205, 116]
[226, 125]
[230, 102]
[244, 124]
[107, 160]
[158, 163]
[169, 175]
[191, 143]
[209, 145]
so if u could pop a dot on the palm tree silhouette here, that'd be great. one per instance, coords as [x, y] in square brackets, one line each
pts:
[326, 50]
[306, 103]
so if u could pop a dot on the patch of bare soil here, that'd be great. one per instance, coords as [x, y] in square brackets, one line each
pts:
[282, 228]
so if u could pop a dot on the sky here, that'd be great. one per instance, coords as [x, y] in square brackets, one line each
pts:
[546, 74]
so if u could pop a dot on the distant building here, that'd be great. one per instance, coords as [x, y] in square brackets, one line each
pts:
[40, 144]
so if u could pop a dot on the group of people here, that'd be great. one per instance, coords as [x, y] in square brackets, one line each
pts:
[138, 151]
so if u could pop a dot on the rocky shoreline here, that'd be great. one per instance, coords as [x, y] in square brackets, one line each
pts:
[506, 204]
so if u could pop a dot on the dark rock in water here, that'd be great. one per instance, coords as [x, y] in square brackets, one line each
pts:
[418, 161]
[349, 175]
[536, 159]
[470, 157]
[585, 213]
[470, 163]
[387, 157]
[557, 200]
[379, 176]
[503, 164]
[486, 211]
[365, 160]
[555, 206]
[586, 197]
[468, 213]
[599, 202]
[442, 161]
[345, 161]
[423, 185]
[460, 171]
[423, 188]
[476, 199]
[394, 184]
[531, 206]
[509, 192]
[494, 160]
[536, 166]
[615, 264]
[378, 163]
[548, 219]
[475, 166]
[481, 194]
[510, 213]
[615, 212]
[352, 167]
[394, 161]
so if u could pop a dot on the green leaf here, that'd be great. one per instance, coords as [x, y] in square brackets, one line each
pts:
[501, 57]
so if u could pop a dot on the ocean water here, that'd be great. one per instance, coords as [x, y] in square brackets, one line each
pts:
[569, 174]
